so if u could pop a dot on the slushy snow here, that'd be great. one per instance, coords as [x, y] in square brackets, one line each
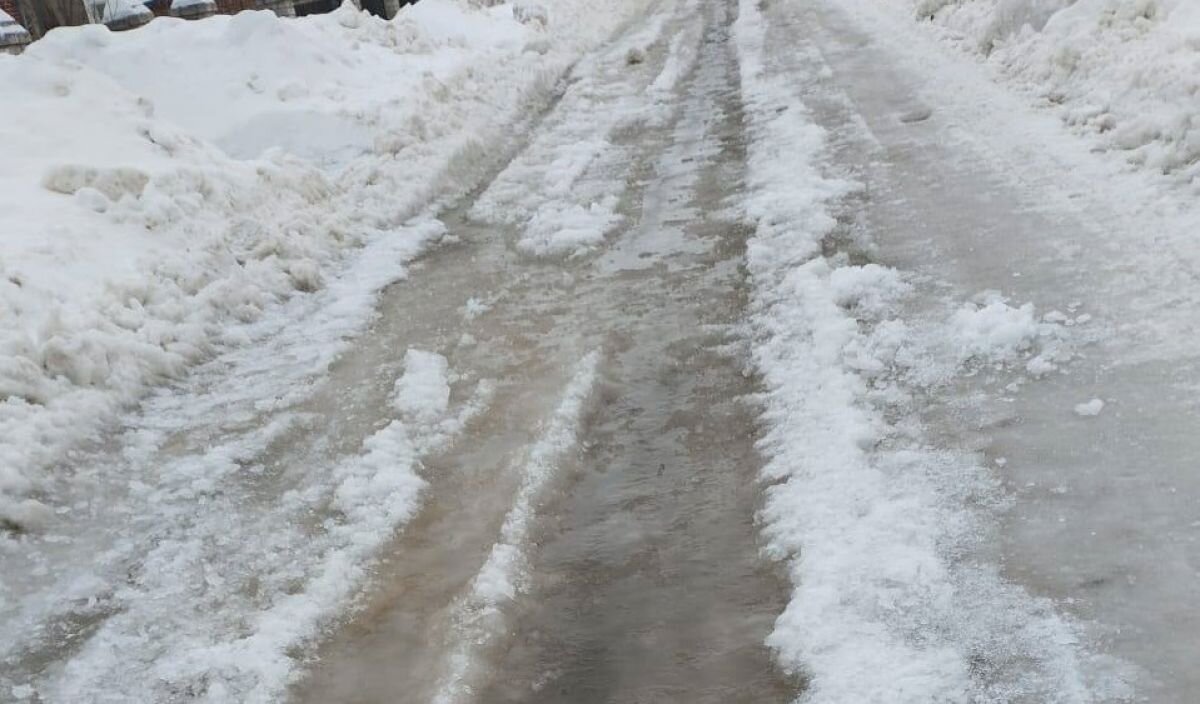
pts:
[199, 192]
[877, 527]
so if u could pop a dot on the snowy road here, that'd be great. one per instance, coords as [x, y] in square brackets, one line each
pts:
[638, 579]
[980, 193]
[779, 354]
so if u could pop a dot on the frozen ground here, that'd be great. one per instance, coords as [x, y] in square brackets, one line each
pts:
[703, 351]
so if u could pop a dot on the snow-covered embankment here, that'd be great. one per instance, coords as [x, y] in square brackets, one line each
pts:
[1125, 72]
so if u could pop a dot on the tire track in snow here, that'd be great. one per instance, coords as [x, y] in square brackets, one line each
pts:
[479, 617]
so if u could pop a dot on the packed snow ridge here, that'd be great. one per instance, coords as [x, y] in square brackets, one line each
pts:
[156, 197]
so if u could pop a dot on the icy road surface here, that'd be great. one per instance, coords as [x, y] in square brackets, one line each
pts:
[783, 357]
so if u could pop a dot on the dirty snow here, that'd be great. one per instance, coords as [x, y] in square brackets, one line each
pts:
[129, 248]
[176, 226]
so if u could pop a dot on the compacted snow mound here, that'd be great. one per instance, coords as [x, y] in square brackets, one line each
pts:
[1127, 71]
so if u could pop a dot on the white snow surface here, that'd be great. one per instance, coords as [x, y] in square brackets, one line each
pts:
[1125, 71]
[423, 392]
[155, 195]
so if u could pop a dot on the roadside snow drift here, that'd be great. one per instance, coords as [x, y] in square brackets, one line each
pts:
[1127, 71]
[161, 187]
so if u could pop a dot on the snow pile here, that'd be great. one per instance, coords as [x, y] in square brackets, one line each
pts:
[989, 331]
[995, 331]
[422, 397]
[155, 193]
[870, 290]
[881, 533]
[1125, 70]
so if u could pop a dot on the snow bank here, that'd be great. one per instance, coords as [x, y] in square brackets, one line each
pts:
[161, 187]
[1126, 71]
[883, 534]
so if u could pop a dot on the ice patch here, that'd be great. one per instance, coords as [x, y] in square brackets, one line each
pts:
[1090, 409]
